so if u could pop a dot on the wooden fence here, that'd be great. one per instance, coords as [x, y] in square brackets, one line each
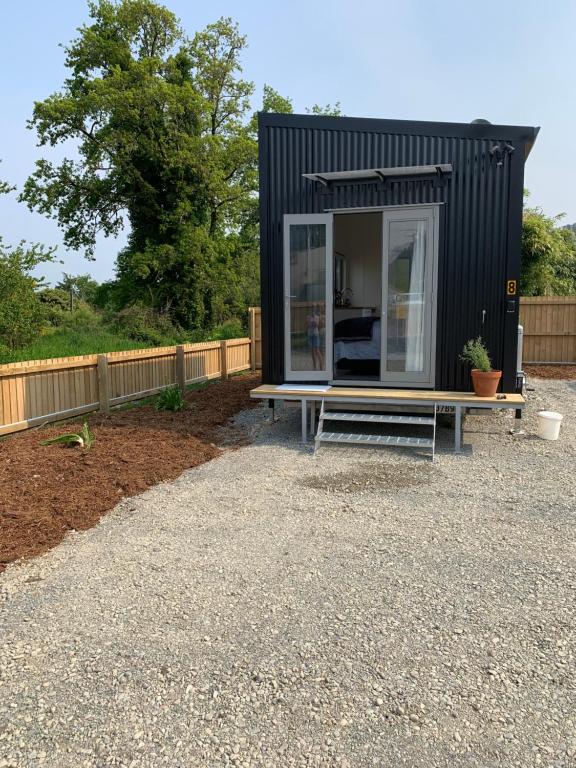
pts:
[40, 391]
[549, 329]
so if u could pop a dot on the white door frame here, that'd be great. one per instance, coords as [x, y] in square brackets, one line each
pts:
[426, 378]
[291, 374]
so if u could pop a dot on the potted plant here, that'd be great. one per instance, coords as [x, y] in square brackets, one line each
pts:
[484, 380]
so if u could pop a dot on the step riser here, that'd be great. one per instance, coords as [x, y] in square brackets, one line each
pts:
[377, 440]
[374, 407]
[372, 418]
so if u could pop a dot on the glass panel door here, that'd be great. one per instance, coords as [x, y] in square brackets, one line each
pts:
[408, 290]
[308, 300]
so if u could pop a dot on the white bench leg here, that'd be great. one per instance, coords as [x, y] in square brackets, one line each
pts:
[304, 420]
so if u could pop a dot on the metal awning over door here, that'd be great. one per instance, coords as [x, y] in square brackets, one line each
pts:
[372, 175]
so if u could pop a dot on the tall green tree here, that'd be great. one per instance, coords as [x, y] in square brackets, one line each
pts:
[130, 104]
[167, 146]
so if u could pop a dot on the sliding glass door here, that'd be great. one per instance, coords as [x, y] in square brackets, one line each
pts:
[409, 245]
[308, 302]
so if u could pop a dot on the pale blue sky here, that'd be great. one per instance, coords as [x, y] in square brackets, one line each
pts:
[441, 60]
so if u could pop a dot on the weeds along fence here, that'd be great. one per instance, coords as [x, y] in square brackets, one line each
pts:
[41, 391]
[549, 324]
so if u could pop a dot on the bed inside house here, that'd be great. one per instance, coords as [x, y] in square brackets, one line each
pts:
[358, 291]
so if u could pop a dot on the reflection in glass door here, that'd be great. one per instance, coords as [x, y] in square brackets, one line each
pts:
[408, 282]
[308, 296]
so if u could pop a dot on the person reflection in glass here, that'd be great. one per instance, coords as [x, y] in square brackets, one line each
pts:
[315, 321]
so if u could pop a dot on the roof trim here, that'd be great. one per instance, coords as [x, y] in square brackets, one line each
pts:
[378, 174]
[518, 133]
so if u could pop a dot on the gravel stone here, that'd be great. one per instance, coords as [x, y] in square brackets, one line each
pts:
[360, 607]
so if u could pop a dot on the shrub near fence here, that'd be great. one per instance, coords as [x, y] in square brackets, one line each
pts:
[40, 391]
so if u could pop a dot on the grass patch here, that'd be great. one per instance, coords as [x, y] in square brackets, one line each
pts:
[64, 342]
[97, 336]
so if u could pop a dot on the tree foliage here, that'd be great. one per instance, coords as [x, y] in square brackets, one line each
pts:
[5, 187]
[21, 312]
[77, 287]
[548, 255]
[330, 110]
[272, 101]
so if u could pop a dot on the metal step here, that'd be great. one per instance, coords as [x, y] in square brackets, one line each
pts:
[389, 440]
[379, 418]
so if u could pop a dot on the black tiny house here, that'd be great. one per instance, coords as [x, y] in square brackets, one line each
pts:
[385, 245]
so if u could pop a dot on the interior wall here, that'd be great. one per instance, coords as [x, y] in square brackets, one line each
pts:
[358, 237]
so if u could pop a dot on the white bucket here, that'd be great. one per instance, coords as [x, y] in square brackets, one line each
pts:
[549, 424]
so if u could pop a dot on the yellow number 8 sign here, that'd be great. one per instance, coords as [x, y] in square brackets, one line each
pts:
[511, 287]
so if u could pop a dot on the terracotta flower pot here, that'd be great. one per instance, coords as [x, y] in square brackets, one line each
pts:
[485, 383]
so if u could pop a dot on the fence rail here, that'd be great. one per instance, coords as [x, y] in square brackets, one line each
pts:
[40, 391]
[549, 329]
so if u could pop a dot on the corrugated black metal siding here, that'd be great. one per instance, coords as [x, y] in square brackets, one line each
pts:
[479, 236]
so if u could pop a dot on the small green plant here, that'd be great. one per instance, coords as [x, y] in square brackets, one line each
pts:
[84, 438]
[476, 354]
[170, 400]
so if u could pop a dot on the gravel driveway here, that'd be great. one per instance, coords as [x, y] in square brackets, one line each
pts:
[358, 608]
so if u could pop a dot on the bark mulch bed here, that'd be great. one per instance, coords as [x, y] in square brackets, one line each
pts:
[47, 490]
[551, 371]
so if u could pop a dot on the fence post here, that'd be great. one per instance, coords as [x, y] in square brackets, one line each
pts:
[180, 368]
[224, 359]
[252, 312]
[103, 383]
